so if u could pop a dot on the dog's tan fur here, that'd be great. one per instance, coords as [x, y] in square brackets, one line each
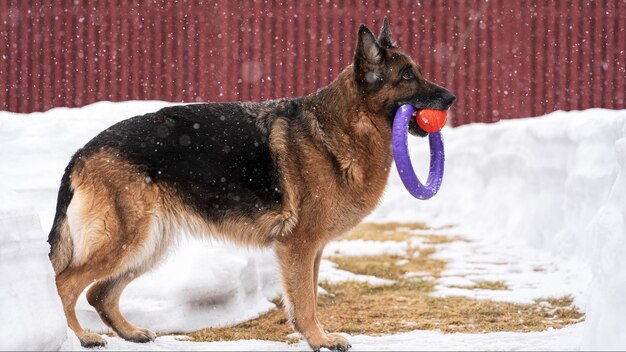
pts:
[333, 172]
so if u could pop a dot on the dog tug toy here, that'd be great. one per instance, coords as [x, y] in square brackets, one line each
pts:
[430, 121]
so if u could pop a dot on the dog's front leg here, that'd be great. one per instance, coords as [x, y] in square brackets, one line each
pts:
[316, 272]
[297, 263]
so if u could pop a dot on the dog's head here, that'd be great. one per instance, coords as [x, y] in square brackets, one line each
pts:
[387, 78]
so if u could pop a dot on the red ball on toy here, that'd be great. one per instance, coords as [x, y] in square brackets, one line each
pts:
[431, 120]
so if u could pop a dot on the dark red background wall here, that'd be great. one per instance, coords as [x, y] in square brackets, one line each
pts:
[503, 59]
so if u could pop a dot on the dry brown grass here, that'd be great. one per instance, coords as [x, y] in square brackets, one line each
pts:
[390, 231]
[486, 285]
[394, 231]
[271, 326]
[440, 239]
[391, 266]
[491, 285]
[359, 308]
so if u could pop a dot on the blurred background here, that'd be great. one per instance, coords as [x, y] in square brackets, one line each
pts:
[503, 59]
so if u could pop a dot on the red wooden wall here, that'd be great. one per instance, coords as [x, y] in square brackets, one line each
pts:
[503, 59]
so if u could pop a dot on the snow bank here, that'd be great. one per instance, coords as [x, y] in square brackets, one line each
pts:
[566, 339]
[556, 182]
[31, 315]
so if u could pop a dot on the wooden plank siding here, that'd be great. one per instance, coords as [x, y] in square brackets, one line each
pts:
[503, 59]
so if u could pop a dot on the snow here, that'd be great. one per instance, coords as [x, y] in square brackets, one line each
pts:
[543, 193]
[564, 339]
[31, 314]
[556, 183]
[530, 274]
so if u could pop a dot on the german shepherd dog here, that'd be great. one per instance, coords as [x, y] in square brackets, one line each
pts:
[289, 174]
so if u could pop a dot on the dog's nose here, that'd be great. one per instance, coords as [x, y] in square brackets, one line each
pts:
[448, 99]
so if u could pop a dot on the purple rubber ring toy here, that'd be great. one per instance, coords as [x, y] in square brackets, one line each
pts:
[403, 161]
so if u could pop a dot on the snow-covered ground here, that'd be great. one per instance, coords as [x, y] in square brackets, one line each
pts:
[555, 183]
[564, 339]
[543, 193]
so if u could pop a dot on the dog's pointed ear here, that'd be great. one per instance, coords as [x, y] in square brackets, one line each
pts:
[384, 38]
[368, 51]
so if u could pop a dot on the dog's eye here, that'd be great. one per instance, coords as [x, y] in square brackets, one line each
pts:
[408, 75]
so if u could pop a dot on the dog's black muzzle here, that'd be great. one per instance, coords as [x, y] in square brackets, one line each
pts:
[437, 98]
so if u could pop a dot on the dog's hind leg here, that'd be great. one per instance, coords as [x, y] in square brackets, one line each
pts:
[70, 283]
[105, 297]
[114, 221]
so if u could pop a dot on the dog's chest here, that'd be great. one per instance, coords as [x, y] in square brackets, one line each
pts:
[351, 200]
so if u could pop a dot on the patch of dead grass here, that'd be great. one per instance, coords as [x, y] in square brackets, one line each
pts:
[392, 266]
[394, 231]
[271, 326]
[383, 266]
[440, 239]
[357, 308]
[360, 308]
[390, 231]
[487, 285]
[491, 285]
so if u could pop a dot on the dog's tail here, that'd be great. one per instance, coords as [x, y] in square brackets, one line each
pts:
[61, 244]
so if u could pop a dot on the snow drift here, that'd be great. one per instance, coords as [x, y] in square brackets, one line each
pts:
[556, 182]
[31, 314]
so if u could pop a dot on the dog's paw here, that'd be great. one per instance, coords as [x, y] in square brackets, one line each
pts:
[90, 339]
[139, 335]
[335, 342]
